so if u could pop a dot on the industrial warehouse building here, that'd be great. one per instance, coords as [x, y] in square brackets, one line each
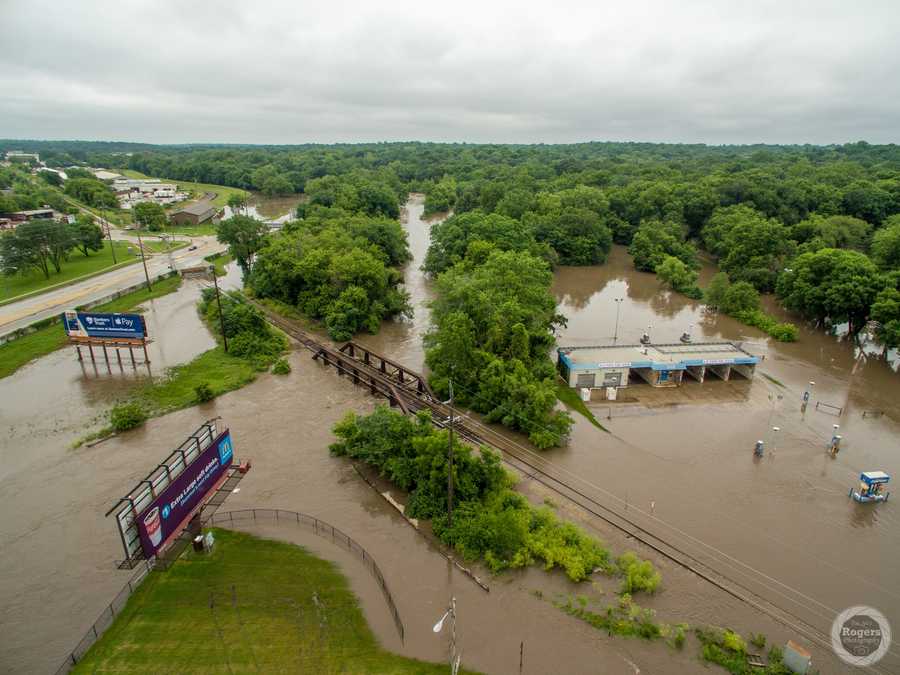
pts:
[194, 214]
[661, 365]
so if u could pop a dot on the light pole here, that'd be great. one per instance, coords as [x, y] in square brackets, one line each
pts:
[454, 657]
[618, 302]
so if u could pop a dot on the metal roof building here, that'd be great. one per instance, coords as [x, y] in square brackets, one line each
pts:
[662, 365]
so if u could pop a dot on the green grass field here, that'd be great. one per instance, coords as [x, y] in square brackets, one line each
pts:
[219, 261]
[77, 266]
[251, 605]
[221, 371]
[15, 354]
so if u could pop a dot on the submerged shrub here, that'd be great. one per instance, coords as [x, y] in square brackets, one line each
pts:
[638, 575]
[127, 416]
[281, 367]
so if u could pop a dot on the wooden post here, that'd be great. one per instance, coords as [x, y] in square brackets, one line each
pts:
[119, 356]
[146, 357]
[105, 354]
[133, 362]
[78, 349]
[91, 350]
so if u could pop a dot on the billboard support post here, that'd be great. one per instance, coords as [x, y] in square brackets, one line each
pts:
[104, 330]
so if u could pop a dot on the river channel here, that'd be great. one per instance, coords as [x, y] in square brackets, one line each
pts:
[783, 526]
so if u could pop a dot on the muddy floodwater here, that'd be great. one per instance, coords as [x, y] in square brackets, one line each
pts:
[272, 209]
[781, 527]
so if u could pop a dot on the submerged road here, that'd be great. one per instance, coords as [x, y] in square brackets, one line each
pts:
[20, 314]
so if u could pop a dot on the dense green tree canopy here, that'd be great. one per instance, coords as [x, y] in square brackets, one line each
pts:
[91, 192]
[831, 284]
[655, 240]
[450, 239]
[493, 329]
[38, 244]
[86, 235]
[244, 236]
[331, 272]
[149, 215]
[886, 245]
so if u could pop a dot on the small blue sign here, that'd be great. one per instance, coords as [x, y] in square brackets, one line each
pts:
[99, 325]
[225, 451]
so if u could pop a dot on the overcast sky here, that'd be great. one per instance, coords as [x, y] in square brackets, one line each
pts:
[327, 70]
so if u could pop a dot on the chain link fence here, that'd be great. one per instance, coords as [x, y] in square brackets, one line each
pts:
[322, 529]
[144, 568]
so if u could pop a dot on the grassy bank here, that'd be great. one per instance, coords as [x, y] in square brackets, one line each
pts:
[219, 261]
[49, 338]
[254, 346]
[251, 605]
[220, 371]
[77, 266]
[571, 399]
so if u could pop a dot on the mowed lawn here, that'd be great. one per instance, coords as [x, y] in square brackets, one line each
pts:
[77, 265]
[250, 606]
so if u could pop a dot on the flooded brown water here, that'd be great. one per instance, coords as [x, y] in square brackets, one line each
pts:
[788, 517]
[783, 528]
[275, 209]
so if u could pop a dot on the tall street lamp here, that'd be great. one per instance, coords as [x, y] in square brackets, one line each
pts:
[618, 302]
[454, 656]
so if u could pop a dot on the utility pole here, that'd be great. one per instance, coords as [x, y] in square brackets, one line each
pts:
[144, 260]
[450, 470]
[112, 246]
[219, 303]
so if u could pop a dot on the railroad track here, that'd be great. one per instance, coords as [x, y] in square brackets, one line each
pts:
[382, 381]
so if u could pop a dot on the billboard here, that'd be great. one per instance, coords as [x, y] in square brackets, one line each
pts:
[169, 512]
[99, 325]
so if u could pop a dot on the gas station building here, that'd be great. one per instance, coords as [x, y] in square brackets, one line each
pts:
[660, 365]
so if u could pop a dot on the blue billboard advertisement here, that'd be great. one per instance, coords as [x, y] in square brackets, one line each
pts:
[169, 513]
[99, 325]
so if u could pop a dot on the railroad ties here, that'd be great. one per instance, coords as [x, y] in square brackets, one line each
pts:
[410, 392]
[402, 387]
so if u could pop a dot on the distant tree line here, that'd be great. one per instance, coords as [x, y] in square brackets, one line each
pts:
[758, 210]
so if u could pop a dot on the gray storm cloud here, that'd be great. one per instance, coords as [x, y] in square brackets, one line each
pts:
[273, 72]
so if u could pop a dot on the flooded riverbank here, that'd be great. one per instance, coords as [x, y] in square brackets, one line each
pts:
[783, 528]
[784, 520]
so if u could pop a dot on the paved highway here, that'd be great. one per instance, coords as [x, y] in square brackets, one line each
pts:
[24, 312]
